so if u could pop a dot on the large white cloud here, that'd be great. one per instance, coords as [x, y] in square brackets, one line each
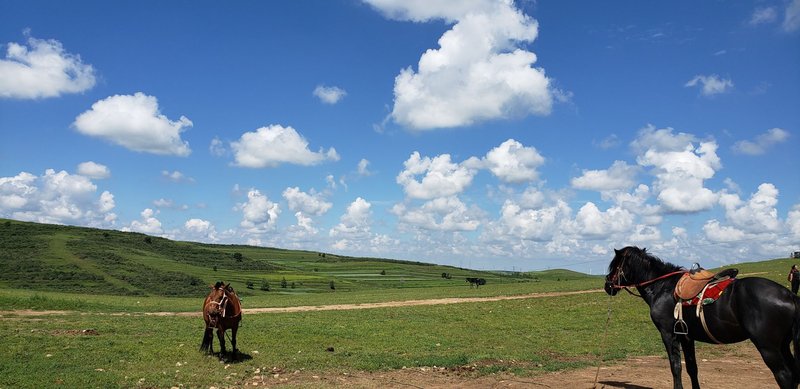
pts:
[620, 176]
[274, 145]
[479, 72]
[135, 122]
[259, 214]
[680, 168]
[441, 177]
[42, 69]
[309, 204]
[762, 142]
[514, 163]
[55, 197]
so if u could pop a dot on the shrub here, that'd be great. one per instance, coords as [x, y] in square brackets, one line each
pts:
[148, 240]
[249, 284]
[332, 285]
[383, 272]
[284, 284]
[238, 257]
[265, 285]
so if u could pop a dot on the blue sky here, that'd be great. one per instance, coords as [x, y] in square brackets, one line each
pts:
[486, 133]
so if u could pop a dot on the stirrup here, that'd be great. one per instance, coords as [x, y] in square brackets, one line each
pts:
[680, 328]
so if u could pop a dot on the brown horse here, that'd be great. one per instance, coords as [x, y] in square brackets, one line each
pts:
[221, 311]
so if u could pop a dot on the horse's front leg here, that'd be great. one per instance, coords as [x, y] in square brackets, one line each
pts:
[673, 346]
[691, 360]
[221, 336]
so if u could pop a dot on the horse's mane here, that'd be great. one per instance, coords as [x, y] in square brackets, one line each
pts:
[639, 264]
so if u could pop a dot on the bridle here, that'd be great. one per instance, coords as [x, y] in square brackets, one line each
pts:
[619, 274]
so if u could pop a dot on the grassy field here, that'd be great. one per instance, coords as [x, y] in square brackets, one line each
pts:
[106, 339]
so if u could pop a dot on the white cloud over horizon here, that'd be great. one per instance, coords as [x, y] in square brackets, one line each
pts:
[42, 69]
[56, 198]
[136, 123]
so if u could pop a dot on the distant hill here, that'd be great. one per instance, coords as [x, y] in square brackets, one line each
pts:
[49, 257]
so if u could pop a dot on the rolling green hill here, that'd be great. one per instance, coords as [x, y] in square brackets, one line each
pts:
[43, 257]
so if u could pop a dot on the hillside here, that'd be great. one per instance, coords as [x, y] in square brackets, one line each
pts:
[46, 257]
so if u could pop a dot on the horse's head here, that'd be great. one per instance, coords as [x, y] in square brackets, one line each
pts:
[619, 266]
[217, 300]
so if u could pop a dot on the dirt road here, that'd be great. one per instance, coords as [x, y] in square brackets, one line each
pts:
[734, 366]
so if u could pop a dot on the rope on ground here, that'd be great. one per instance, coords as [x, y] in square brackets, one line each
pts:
[603, 342]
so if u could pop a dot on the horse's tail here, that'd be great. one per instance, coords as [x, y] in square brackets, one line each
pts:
[208, 338]
[796, 342]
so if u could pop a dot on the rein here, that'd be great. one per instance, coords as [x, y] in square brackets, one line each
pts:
[619, 274]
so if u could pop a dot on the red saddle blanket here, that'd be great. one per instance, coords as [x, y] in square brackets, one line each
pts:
[711, 294]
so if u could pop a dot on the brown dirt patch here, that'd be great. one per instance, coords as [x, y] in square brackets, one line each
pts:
[726, 367]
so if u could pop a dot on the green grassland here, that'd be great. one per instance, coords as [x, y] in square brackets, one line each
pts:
[110, 280]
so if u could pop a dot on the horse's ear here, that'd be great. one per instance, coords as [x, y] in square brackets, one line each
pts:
[616, 252]
[211, 286]
[644, 250]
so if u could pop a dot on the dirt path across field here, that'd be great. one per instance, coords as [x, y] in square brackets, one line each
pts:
[733, 366]
[333, 307]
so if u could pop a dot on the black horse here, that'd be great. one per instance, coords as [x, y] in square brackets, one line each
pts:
[750, 308]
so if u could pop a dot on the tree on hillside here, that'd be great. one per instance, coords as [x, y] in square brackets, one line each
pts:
[284, 284]
[237, 257]
[265, 285]
[332, 285]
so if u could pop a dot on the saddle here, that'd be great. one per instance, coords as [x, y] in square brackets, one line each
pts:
[693, 282]
[699, 287]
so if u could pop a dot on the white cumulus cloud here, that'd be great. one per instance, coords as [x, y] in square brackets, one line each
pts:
[309, 204]
[136, 123]
[42, 69]
[259, 214]
[757, 214]
[680, 168]
[440, 176]
[55, 197]
[274, 145]
[148, 224]
[479, 71]
[200, 230]
[514, 163]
